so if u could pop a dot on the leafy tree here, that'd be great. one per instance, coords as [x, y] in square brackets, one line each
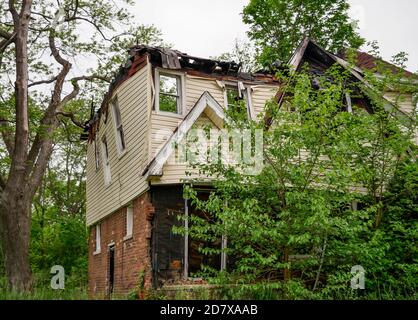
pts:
[243, 53]
[319, 205]
[278, 26]
[42, 46]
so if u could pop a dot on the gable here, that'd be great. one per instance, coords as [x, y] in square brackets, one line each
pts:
[205, 105]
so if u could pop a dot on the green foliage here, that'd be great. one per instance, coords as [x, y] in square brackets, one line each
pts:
[243, 53]
[297, 218]
[278, 26]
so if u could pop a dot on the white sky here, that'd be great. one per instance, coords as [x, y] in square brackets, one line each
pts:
[209, 27]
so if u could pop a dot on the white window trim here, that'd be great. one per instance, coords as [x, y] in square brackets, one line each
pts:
[121, 151]
[246, 95]
[129, 217]
[182, 108]
[96, 153]
[98, 240]
[106, 161]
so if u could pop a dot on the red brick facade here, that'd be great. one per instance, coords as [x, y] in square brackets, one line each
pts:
[131, 256]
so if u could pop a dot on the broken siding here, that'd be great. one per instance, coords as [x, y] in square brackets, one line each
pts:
[126, 180]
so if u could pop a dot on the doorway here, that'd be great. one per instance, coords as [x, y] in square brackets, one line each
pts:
[111, 269]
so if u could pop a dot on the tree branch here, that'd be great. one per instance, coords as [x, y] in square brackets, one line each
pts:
[4, 44]
[5, 35]
[76, 87]
[7, 136]
[72, 117]
[36, 83]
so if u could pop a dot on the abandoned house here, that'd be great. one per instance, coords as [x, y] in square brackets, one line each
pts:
[134, 187]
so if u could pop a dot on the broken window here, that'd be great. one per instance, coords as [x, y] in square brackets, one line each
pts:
[120, 137]
[169, 99]
[237, 101]
[106, 164]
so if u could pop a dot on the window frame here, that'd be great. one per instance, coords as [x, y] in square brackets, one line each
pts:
[246, 95]
[119, 132]
[98, 240]
[180, 90]
[129, 222]
[106, 161]
[96, 154]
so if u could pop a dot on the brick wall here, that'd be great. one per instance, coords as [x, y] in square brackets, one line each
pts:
[131, 255]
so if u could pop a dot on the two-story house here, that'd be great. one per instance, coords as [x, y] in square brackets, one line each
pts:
[134, 182]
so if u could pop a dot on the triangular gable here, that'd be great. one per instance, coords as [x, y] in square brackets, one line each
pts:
[212, 109]
[297, 58]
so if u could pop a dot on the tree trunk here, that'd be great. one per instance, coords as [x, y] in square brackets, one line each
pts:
[16, 197]
[16, 223]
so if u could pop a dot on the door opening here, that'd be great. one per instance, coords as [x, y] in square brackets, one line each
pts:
[111, 268]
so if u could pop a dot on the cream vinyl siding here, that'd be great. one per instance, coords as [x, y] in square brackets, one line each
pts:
[402, 101]
[260, 95]
[195, 86]
[162, 125]
[127, 182]
[175, 173]
[405, 103]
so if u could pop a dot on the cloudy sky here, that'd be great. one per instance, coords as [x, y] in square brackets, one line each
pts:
[208, 27]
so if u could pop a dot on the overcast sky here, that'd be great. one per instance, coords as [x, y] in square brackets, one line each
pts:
[208, 27]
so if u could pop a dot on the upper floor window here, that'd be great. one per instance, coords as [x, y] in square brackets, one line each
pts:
[120, 137]
[237, 101]
[106, 163]
[169, 89]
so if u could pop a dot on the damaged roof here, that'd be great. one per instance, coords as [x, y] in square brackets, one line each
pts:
[366, 61]
[167, 58]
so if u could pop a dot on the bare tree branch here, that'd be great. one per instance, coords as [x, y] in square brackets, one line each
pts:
[76, 87]
[72, 117]
[13, 11]
[5, 35]
[36, 83]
